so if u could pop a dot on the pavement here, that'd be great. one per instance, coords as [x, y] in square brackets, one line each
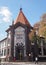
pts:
[22, 63]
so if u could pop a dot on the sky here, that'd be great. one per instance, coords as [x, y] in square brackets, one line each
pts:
[9, 9]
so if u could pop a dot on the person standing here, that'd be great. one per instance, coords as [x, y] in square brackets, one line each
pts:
[36, 60]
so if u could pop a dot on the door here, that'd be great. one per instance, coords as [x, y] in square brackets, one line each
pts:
[19, 52]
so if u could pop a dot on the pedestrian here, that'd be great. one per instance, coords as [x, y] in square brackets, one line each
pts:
[14, 59]
[36, 60]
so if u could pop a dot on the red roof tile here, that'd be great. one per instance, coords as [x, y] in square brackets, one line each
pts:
[22, 19]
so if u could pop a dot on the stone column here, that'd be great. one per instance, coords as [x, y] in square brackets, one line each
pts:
[14, 51]
[24, 51]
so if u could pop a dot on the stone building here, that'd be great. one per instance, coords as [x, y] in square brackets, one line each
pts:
[17, 45]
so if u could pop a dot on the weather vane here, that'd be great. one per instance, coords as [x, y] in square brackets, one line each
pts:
[20, 7]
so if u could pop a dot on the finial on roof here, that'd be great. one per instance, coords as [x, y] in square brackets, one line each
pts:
[20, 9]
[13, 22]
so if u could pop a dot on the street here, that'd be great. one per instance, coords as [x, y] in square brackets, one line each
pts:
[22, 63]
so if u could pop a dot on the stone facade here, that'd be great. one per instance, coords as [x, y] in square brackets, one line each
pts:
[18, 45]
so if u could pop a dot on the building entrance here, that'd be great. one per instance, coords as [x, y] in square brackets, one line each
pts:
[19, 52]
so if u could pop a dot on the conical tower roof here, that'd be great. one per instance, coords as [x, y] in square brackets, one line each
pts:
[22, 19]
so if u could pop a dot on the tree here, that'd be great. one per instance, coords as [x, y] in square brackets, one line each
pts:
[34, 38]
[41, 25]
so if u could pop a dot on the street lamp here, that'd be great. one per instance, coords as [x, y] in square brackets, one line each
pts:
[42, 38]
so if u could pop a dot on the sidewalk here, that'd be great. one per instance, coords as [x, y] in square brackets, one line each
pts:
[24, 63]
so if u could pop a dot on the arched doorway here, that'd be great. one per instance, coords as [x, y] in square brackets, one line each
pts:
[19, 51]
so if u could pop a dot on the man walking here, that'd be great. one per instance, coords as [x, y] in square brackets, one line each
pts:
[36, 60]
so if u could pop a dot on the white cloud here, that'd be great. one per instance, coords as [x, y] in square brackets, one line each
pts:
[5, 14]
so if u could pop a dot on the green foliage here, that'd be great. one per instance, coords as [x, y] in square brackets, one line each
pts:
[37, 39]
[44, 24]
[34, 38]
[44, 34]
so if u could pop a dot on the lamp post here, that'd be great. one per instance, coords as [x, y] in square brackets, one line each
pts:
[35, 45]
[42, 52]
